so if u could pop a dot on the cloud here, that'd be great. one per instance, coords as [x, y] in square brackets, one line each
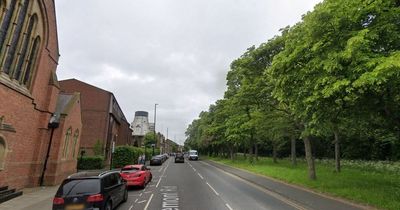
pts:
[172, 52]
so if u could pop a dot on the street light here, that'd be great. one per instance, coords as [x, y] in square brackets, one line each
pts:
[155, 114]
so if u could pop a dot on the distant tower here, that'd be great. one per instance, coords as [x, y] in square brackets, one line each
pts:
[140, 127]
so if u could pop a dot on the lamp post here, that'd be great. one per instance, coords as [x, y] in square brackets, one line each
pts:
[155, 117]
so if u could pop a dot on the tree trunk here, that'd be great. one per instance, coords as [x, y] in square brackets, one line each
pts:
[274, 152]
[231, 152]
[256, 150]
[337, 149]
[293, 150]
[309, 157]
[251, 154]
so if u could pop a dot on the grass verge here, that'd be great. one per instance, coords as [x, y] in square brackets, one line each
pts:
[380, 189]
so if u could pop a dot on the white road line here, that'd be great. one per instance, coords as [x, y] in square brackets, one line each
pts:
[147, 205]
[142, 201]
[158, 182]
[213, 189]
[229, 207]
[266, 191]
[136, 200]
[200, 176]
[160, 169]
[140, 194]
[162, 175]
[130, 208]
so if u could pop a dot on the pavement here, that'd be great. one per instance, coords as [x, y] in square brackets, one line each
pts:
[32, 198]
[198, 185]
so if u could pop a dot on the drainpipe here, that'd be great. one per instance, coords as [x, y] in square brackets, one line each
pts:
[53, 124]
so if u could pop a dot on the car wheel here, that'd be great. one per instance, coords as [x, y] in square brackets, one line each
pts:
[125, 195]
[108, 206]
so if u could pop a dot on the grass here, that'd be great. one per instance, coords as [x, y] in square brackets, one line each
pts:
[380, 189]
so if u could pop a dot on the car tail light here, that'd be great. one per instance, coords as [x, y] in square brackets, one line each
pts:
[58, 201]
[95, 198]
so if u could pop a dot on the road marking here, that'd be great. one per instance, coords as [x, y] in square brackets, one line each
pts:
[140, 194]
[158, 182]
[170, 198]
[160, 169]
[136, 200]
[213, 189]
[266, 191]
[130, 208]
[200, 176]
[147, 205]
[148, 192]
[142, 201]
[162, 175]
[229, 207]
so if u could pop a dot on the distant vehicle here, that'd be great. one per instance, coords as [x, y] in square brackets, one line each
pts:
[91, 190]
[193, 155]
[156, 160]
[136, 175]
[179, 158]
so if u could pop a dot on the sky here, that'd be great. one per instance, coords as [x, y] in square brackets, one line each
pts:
[175, 53]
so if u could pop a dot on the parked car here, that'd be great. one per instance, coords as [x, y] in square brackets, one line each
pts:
[136, 175]
[156, 160]
[193, 155]
[91, 190]
[179, 158]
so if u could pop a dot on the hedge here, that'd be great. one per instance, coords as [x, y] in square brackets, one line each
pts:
[126, 155]
[90, 162]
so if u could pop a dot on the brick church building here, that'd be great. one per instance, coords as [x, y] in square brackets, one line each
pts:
[33, 113]
[102, 118]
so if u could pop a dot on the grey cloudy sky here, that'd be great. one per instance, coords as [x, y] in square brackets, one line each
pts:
[172, 52]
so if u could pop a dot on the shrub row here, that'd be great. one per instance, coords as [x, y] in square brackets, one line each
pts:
[125, 155]
[90, 162]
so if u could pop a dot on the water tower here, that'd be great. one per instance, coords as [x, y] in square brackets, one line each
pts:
[140, 127]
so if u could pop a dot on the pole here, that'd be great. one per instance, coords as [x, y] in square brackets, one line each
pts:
[155, 117]
[53, 125]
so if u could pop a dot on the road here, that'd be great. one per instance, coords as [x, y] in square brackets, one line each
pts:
[196, 185]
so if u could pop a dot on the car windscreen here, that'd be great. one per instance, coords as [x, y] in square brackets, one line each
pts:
[193, 153]
[79, 187]
[130, 169]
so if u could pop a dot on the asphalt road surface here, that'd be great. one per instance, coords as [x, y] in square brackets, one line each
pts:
[196, 185]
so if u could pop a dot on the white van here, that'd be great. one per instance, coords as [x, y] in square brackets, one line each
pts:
[193, 155]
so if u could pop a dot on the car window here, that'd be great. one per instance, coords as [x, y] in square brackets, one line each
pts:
[118, 178]
[79, 186]
[107, 181]
[113, 179]
[130, 169]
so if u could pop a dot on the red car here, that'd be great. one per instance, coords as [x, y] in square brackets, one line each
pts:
[136, 175]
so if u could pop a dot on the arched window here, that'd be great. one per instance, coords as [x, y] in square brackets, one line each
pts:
[5, 25]
[21, 35]
[24, 49]
[66, 142]
[2, 152]
[11, 52]
[31, 62]
[76, 136]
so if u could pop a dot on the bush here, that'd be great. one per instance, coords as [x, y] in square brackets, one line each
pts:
[126, 155]
[90, 163]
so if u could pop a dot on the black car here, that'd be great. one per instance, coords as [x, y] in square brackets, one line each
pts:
[179, 158]
[91, 190]
[156, 160]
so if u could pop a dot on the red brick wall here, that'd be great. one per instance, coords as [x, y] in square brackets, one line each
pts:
[95, 112]
[58, 166]
[29, 115]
